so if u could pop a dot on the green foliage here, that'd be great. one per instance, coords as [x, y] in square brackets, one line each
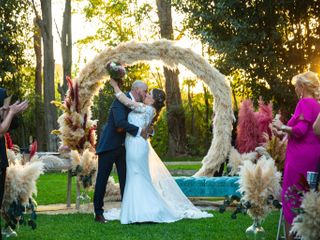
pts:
[161, 138]
[13, 43]
[117, 20]
[267, 41]
[20, 136]
[199, 132]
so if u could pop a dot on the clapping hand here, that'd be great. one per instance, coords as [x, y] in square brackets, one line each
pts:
[15, 108]
[18, 106]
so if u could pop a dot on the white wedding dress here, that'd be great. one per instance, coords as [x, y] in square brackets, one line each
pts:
[151, 193]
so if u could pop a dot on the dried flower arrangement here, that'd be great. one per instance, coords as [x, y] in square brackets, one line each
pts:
[252, 125]
[306, 223]
[276, 147]
[84, 167]
[260, 186]
[236, 159]
[20, 186]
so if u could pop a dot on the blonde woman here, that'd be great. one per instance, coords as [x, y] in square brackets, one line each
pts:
[302, 153]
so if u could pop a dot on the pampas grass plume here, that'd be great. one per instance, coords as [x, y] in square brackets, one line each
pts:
[247, 129]
[258, 182]
[307, 224]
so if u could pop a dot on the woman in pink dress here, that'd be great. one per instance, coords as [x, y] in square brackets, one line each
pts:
[302, 153]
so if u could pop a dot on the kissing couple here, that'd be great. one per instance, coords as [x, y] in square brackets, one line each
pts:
[149, 192]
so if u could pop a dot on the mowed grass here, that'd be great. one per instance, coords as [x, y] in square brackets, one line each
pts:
[182, 159]
[52, 187]
[82, 227]
[184, 167]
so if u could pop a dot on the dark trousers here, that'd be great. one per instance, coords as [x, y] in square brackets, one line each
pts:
[2, 184]
[105, 164]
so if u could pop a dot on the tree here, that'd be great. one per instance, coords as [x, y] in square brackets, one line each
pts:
[50, 111]
[66, 46]
[267, 41]
[39, 120]
[175, 111]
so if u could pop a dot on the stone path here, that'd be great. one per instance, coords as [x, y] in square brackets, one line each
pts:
[88, 208]
[63, 209]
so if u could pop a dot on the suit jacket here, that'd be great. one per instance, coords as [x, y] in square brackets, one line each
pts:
[114, 131]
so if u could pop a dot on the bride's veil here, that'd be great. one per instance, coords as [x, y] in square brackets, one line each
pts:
[169, 189]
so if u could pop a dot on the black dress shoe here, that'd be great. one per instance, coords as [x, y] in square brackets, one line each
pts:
[100, 219]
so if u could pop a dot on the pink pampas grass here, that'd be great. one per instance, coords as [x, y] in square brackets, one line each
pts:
[247, 129]
[264, 118]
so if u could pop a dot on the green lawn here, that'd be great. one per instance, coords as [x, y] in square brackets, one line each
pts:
[181, 159]
[52, 188]
[184, 167]
[82, 227]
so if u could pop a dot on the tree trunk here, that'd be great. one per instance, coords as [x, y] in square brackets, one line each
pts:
[175, 111]
[50, 111]
[39, 121]
[66, 46]
[190, 96]
[207, 115]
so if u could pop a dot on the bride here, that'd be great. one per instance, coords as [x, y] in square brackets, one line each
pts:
[151, 194]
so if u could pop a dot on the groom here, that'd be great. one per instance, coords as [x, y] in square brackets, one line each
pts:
[111, 147]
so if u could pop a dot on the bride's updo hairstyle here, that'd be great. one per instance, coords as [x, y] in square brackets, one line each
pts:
[159, 98]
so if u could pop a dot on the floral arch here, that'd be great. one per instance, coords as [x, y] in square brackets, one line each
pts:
[77, 128]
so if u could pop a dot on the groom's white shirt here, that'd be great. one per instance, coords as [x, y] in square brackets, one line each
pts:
[133, 99]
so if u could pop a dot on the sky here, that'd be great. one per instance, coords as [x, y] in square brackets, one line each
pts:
[82, 28]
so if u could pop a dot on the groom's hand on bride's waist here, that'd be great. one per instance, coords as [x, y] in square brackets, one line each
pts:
[150, 130]
[147, 132]
[144, 133]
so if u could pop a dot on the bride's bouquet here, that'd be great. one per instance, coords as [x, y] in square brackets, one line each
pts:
[116, 71]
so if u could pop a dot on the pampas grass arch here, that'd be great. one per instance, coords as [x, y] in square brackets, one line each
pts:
[90, 80]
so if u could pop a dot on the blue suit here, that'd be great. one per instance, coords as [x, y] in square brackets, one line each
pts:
[111, 150]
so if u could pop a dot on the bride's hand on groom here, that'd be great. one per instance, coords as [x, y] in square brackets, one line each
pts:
[147, 131]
